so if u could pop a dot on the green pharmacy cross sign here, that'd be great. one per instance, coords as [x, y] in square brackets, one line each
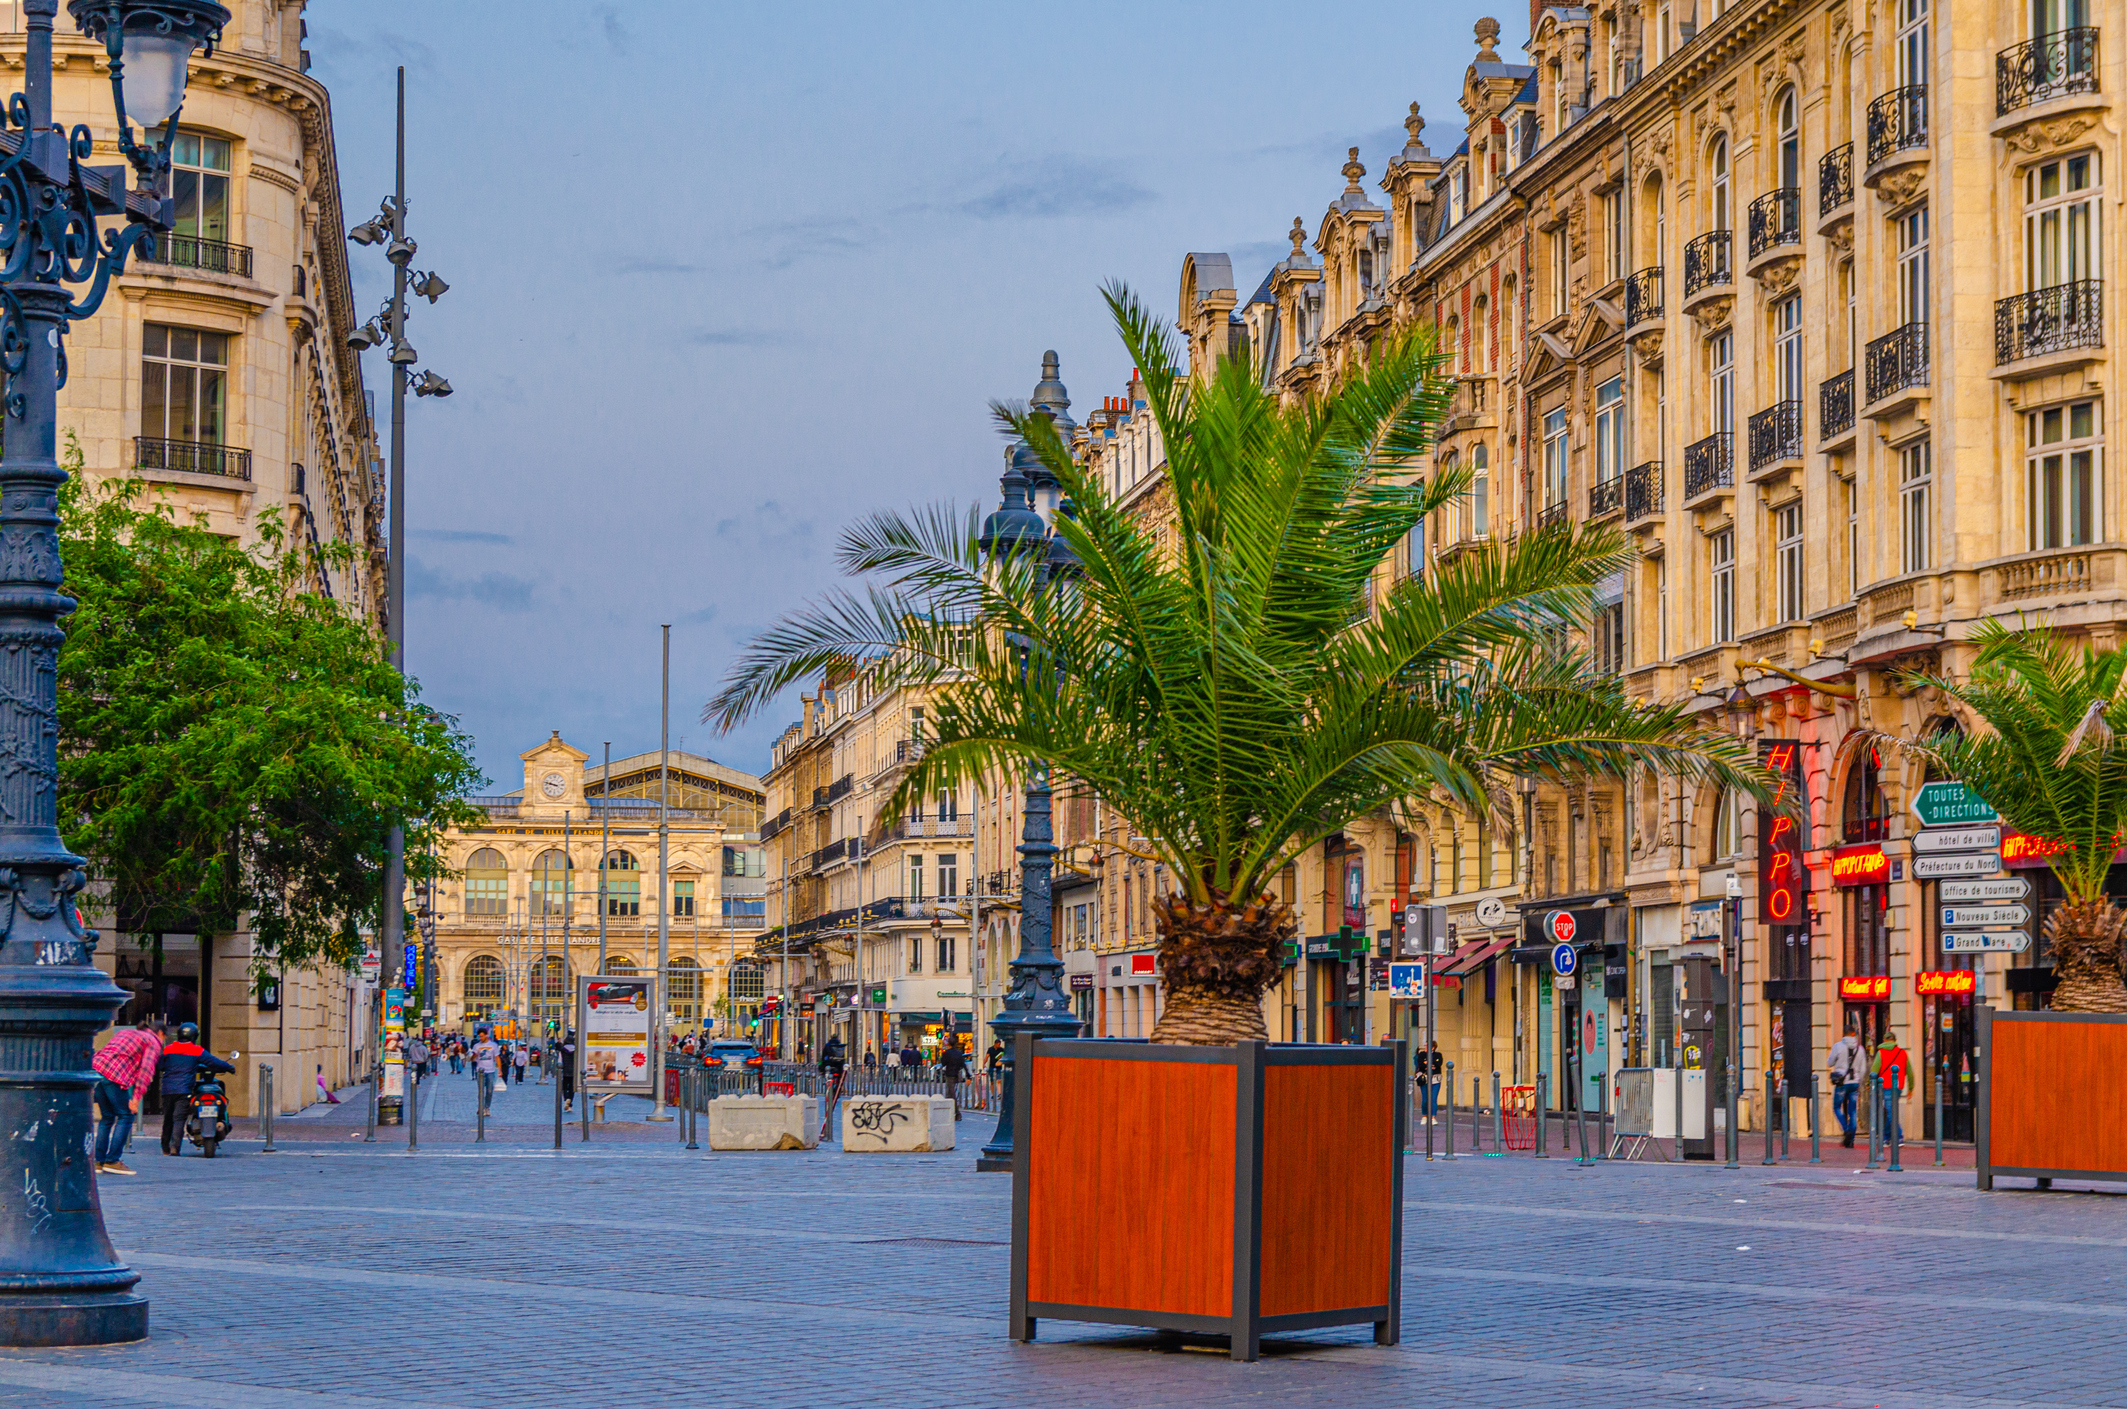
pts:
[1948, 804]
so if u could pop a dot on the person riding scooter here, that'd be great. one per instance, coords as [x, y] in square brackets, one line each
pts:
[181, 1061]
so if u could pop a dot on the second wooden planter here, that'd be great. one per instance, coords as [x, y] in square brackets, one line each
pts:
[1240, 1191]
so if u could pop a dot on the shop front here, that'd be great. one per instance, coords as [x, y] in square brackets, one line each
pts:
[1862, 875]
[1579, 1008]
[1948, 1051]
[1336, 987]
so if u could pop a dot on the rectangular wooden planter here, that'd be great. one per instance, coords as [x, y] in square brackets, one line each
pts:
[2052, 1096]
[1238, 1191]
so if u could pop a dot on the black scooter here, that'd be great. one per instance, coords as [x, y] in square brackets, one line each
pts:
[207, 1122]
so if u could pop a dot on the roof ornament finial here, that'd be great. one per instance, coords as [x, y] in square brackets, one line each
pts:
[1415, 126]
[1299, 238]
[1352, 172]
[1487, 31]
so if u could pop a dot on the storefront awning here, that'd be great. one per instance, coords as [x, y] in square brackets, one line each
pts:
[1472, 957]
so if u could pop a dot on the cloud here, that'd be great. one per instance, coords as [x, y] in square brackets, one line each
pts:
[1055, 187]
[700, 616]
[655, 266]
[459, 535]
[788, 241]
[768, 522]
[503, 592]
[617, 35]
[734, 337]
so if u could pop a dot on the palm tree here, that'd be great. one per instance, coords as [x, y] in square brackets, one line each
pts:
[2051, 765]
[1233, 696]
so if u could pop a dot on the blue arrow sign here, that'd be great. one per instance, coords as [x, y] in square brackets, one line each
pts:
[1564, 960]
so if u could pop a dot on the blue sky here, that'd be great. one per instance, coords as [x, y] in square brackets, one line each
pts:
[725, 277]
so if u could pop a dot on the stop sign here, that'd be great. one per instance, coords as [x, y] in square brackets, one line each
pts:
[1562, 926]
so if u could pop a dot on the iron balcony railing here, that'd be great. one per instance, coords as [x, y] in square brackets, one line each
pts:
[1643, 295]
[1835, 178]
[1643, 490]
[1552, 515]
[1606, 496]
[194, 252]
[195, 457]
[1776, 434]
[2051, 66]
[1775, 219]
[1835, 404]
[1706, 262]
[1897, 360]
[1709, 464]
[2049, 320]
[1898, 120]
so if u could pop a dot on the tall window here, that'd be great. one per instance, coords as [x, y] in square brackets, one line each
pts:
[2060, 221]
[183, 382]
[1561, 252]
[1787, 548]
[2061, 475]
[1717, 160]
[1414, 549]
[1661, 31]
[1916, 482]
[683, 900]
[1480, 492]
[1721, 386]
[483, 981]
[946, 956]
[915, 954]
[1721, 559]
[1614, 235]
[1608, 632]
[684, 996]
[1481, 336]
[1555, 457]
[1661, 609]
[1787, 349]
[1610, 430]
[199, 186]
[948, 875]
[1853, 539]
[487, 883]
[550, 883]
[915, 878]
[1913, 266]
[1790, 142]
[1912, 43]
[948, 806]
[623, 884]
[745, 861]
[1413, 559]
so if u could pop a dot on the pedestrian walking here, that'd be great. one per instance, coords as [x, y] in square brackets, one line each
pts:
[486, 1069]
[567, 1058]
[1430, 1064]
[324, 1091]
[520, 1057]
[955, 1065]
[1894, 1078]
[871, 1061]
[417, 1056]
[124, 1070]
[457, 1049]
[910, 1057]
[994, 1059]
[1846, 1065]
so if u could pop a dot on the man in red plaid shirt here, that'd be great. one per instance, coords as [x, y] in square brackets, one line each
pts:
[124, 1068]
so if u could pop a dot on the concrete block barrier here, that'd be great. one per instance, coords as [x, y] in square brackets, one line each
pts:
[764, 1123]
[897, 1124]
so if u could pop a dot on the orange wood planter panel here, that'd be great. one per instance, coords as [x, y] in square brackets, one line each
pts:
[1132, 1202]
[2056, 1092]
[1329, 1148]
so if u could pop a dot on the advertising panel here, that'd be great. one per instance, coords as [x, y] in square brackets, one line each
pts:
[615, 1017]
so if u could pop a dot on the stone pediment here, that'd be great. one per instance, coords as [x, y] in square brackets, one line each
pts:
[1601, 322]
[1550, 357]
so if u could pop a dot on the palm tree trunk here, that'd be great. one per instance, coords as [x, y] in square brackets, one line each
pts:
[2086, 937]
[1216, 962]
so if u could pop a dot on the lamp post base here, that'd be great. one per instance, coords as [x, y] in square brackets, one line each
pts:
[90, 1318]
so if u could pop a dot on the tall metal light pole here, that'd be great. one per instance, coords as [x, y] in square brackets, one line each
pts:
[61, 1282]
[390, 226]
[605, 849]
[664, 931]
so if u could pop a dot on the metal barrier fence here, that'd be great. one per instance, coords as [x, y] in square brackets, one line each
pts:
[977, 1092]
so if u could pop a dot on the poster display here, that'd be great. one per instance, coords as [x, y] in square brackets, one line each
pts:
[391, 1096]
[615, 1017]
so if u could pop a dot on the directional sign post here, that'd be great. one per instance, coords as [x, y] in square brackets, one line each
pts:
[1979, 917]
[1947, 804]
[1967, 892]
[1565, 960]
[1971, 863]
[1985, 942]
[1936, 840]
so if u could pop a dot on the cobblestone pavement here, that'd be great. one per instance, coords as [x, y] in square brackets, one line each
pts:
[640, 1274]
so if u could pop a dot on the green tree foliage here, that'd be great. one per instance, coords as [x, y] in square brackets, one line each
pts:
[1242, 698]
[234, 747]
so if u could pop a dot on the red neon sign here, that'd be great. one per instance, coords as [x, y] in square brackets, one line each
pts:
[1781, 879]
[1867, 990]
[1946, 981]
[1860, 866]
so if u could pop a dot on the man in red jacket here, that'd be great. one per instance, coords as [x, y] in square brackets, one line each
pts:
[124, 1068]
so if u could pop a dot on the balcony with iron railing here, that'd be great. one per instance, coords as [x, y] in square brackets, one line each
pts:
[1606, 496]
[1643, 491]
[1897, 124]
[1709, 466]
[1552, 515]
[1643, 296]
[1897, 362]
[2057, 65]
[191, 457]
[196, 252]
[1775, 220]
[1835, 405]
[1835, 179]
[1706, 263]
[1776, 436]
[905, 752]
[2066, 318]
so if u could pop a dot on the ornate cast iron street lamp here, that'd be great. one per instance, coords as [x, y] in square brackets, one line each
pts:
[1037, 1002]
[61, 1282]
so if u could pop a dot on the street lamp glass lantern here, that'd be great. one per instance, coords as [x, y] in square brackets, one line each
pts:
[151, 42]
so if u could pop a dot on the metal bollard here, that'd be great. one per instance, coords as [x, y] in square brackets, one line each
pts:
[1476, 1110]
[1602, 1117]
[1499, 1119]
[371, 1135]
[1875, 1097]
[694, 1108]
[479, 1118]
[1891, 1123]
[1580, 1112]
[1768, 1116]
[1678, 1086]
[1816, 1152]
[557, 1107]
[1735, 1116]
[413, 1107]
[265, 1108]
[583, 1106]
[1543, 1114]
[1941, 1074]
[1449, 1087]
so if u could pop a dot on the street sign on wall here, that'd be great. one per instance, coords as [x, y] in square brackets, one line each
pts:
[1985, 942]
[1971, 863]
[1979, 917]
[1936, 840]
[1947, 804]
[2006, 888]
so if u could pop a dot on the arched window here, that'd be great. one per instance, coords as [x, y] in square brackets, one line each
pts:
[1717, 163]
[1509, 345]
[1654, 224]
[1790, 141]
[1941, 729]
[623, 884]
[1452, 346]
[748, 982]
[1865, 816]
[622, 964]
[1480, 342]
[683, 995]
[1480, 491]
[550, 883]
[482, 986]
[487, 883]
